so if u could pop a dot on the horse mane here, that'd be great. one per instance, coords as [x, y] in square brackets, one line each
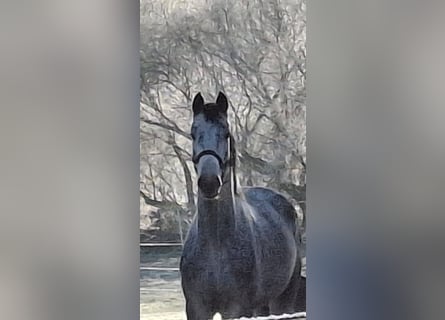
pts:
[233, 161]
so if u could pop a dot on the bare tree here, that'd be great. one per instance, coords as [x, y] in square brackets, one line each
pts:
[255, 52]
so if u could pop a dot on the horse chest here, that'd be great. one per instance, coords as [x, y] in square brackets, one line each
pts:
[220, 272]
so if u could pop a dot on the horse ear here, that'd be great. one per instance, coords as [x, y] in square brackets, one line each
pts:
[222, 103]
[198, 103]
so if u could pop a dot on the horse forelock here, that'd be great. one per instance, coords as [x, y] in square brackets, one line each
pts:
[212, 112]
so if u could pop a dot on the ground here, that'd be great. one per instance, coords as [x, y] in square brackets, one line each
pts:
[161, 296]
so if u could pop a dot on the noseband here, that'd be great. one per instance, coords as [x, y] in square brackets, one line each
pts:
[210, 153]
[222, 164]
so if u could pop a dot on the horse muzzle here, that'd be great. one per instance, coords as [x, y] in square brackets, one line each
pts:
[210, 186]
[209, 177]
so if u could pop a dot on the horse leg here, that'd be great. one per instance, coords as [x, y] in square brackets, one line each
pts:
[237, 314]
[288, 301]
[197, 311]
[301, 297]
[262, 311]
[238, 310]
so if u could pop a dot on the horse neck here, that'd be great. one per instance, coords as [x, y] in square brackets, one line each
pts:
[216, 217]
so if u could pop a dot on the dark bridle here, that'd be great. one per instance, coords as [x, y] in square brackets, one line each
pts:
[223, 164]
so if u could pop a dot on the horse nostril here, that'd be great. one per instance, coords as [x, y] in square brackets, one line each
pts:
[209, 184]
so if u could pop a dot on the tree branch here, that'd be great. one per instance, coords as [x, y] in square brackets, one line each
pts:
[161, 204]
[187, 176]
[167, 127]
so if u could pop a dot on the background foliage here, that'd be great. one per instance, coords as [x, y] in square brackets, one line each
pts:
[254, 51]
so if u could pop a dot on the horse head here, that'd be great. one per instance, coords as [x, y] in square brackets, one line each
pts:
[213, 147]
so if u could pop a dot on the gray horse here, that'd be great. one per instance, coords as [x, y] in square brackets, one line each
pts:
[242, 253]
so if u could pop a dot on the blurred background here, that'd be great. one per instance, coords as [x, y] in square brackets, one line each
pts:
[70, 133]
[254, 52]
